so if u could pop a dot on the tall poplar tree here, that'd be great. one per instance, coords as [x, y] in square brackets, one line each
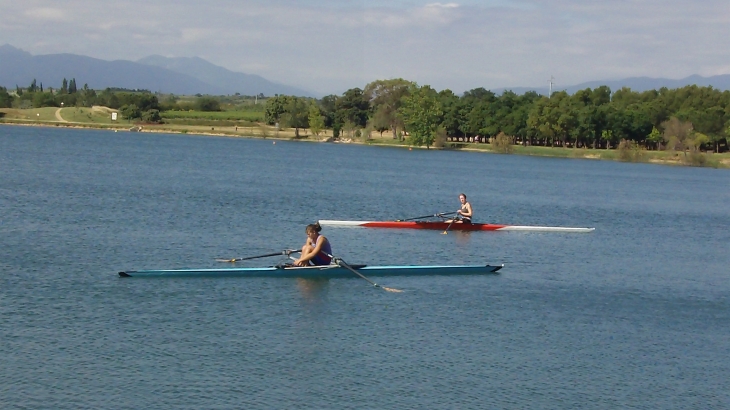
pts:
[316, 120]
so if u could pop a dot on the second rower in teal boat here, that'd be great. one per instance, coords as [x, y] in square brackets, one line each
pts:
[316, 250]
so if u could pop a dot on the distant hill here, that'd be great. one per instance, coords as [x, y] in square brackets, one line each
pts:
[189, 76]
[639, 84]
[246, 84]
[20, 68]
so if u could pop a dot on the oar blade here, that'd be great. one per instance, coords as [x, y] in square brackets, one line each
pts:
[449, 227]
[341, 263]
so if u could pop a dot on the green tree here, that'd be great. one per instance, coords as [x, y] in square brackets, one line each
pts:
[297, 114]
[451, 105]
[88, 96]
[130, 111]
[696, 141]
[607, 135]
[327, 106]
[44, 100]
[64, 87]
[382, 121]
[422, 114]
[352, 107]
[502, 143]
[677, 134]
[545, 118]
[316, 120]
[113, 102]
[275, 107]
[601, 95]
[384, 97]
[151, 116]
[475, 110]
[655, 138]
[6, 100]
[207, 104]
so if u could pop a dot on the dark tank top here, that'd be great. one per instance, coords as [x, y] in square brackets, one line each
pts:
[464, 209]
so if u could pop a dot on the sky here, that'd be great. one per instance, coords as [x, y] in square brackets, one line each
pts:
[329, 46]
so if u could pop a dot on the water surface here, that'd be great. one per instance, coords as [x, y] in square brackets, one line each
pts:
[633, 315]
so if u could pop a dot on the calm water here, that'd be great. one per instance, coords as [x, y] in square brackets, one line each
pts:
[633, 315]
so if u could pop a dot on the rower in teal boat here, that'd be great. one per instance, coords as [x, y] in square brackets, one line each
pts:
[316, 250]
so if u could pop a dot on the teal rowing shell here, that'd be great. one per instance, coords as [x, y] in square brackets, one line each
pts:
[333, 271]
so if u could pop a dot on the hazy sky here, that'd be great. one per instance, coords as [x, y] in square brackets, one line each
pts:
[328, 46]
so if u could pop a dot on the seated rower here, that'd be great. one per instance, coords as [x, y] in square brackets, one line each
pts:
[464, 214]
[316, 250]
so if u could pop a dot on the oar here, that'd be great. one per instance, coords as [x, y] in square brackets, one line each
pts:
[426, 216]
[285, 252]
[343, 264]
[447, 228]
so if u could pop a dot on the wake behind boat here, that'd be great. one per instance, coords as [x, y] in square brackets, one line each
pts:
[327, 271]
[442, 226]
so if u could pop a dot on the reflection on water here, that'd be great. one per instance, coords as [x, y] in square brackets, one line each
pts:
[462, 237]
[313, 290]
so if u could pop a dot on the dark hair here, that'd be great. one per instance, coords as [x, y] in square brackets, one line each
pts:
[313, 227]
[463, 194]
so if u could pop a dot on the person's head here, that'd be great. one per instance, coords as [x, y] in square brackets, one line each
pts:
[462, 198]
[313, 229]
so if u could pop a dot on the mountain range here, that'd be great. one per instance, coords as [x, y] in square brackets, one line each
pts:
[180, 76]
[193, 75]
[639, 84]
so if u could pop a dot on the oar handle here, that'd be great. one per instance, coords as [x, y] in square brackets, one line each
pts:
[285, 252]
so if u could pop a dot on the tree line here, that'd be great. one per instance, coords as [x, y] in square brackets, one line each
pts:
[688, 118]
[132, 104]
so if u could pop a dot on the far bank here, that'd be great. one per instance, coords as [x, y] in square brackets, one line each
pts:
[99, 118]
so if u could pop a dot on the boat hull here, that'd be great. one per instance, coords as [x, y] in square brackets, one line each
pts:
[330, 271]
[442, 226]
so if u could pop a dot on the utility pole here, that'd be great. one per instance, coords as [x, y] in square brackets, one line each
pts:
[550, 83]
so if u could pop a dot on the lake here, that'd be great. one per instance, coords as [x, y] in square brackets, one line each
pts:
[633, 315]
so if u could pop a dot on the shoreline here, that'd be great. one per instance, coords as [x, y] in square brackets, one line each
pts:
[718, 161]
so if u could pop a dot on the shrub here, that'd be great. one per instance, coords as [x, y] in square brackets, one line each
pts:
[207, 104]
[151, 116]
[629, 151]
[439, 137]
[130, 111]
[264, 131]
[697, 159]
[502, 143]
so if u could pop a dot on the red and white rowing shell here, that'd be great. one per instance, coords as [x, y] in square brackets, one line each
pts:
[441, 226]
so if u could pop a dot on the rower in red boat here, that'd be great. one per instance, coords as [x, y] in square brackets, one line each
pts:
[464, 214]
[316, 250]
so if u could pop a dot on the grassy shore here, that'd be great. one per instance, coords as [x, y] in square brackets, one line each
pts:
[236, 125]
